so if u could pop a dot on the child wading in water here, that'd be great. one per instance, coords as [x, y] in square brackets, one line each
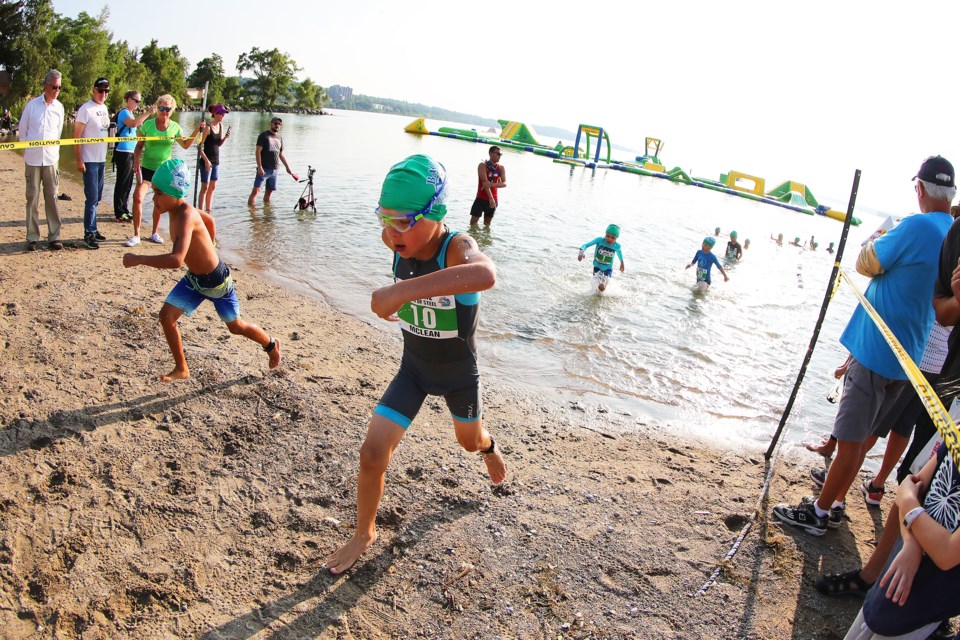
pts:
[208, 277]
[435, 297]
[705, 260]
[607, 247]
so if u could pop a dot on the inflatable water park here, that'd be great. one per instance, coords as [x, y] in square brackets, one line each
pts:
[592, 150]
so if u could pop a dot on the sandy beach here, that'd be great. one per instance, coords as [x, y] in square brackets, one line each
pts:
[206, 508]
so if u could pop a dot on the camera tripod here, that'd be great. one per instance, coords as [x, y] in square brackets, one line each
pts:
[307, 199]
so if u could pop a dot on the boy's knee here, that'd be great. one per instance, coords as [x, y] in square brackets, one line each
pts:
[374, 457]
[167, 318]
[470, 441]
[236, 327]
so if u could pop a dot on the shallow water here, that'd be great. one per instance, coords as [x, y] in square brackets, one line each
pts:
[720, 363]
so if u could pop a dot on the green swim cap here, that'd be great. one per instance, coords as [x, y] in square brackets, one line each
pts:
[733, 234]
[709, 241]
[797, 239]
[171, 179]
[613, 230]
[417, 184]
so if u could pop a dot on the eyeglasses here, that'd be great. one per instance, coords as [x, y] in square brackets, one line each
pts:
[55, 87]
[103, 90]
[137, 100]
[165, 109]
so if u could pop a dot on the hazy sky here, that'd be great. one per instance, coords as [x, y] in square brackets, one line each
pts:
[807, 93]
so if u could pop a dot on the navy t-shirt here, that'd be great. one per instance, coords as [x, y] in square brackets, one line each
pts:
[935, 594]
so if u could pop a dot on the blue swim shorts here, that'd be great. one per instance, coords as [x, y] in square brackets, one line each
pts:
[270, 177]
[207, 176]
[217, 287]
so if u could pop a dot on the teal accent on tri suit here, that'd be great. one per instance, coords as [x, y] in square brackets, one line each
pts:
[603, 254]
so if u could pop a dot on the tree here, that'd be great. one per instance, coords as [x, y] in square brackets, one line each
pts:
[126, 73]
[234, 93]
[168, 69]
[11, 27]
[309, 95]
[209, 70]
[35, 44]
[81, 44]
[273, 72]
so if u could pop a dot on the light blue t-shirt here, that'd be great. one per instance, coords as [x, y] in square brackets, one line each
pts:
[902, 295]
[123, 131]
[705, 262]
[603, 254]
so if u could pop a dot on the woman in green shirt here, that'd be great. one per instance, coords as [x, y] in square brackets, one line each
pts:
[149, 155]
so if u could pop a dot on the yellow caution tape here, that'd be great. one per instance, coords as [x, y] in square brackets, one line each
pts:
[941, 418]
[69, 142]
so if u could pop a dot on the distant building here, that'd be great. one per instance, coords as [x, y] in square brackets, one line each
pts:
[338, 93]
[195, 94]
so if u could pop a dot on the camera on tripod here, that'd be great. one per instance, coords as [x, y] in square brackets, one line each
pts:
[307, 199]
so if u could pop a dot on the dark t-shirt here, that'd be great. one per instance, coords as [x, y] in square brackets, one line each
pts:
[271, 145]
[949, 254]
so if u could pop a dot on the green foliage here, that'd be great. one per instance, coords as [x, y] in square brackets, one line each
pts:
[35, 43]
[273, 73]
[209, 70]
[309, 95]
[11, 27]
[82, 44]
[234, 93]
[168, 72]
[125, 72]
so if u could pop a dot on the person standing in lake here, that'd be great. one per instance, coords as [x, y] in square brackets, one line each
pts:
[269, 156]
[491, 176]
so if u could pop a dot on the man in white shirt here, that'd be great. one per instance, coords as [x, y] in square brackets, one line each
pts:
[93, 121]
[42, 119]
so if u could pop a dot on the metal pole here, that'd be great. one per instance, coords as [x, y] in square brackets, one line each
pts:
[823, 313]
[196, 175]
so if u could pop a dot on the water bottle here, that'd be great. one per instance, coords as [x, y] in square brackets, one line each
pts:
[834, 396]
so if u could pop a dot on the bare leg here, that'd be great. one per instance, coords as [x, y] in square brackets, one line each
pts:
[252, 332]
[211, 187]
[266, 196]
[825, 448]
[253, 196]
[138, 195]
[382, 439]
[473, 437]
[841, 474]
[474, 220]
[203, 194]
[156, 221]
[896, 445]
[169, 315]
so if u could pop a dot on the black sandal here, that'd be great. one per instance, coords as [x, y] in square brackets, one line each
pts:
[843, 584]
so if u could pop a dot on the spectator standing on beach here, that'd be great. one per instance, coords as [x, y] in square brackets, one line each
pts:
[491, 176]
[213, 139]
[903, 266]
[149, 155]
[42, 119]
[269, 155]
[93, 121]
[127, 125]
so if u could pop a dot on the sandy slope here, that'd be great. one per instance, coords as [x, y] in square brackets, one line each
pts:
[134, 509]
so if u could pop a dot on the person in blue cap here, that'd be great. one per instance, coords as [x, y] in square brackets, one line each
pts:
[705, 261]
[606, 248]
[438, 275]
[207, 278]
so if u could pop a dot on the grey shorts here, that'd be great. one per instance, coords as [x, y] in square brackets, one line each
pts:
[867, 396]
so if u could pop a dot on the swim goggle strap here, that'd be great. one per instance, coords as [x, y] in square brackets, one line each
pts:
[405, 222]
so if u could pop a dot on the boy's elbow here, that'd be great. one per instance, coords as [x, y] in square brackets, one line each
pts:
[489, 277]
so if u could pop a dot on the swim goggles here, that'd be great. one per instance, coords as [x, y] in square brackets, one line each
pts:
[405, 222]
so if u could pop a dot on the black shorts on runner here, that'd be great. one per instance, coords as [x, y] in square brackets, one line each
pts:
[481, 207]
[458, 382]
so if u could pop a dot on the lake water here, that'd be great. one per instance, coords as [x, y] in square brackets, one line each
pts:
[721, 363]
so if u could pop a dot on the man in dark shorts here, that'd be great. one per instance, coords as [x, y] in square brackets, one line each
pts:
[491, 176]
[269, 152]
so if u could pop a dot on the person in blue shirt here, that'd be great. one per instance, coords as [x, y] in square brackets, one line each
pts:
[606, 248]
[705, 260]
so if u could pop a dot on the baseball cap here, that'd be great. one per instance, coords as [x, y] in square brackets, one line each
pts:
[218, 109]
[276, 119]
[417, 183]
[938, 170]
[171, 178]
[101, 83]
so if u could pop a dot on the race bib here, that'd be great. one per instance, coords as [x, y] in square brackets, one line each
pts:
[701, 274]
[430, 317]
[605, 256]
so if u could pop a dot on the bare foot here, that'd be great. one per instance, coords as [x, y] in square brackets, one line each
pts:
[495, 466]
[344, 557]
[602, 287]
[825, 448]
[176, 374]
[275, 354]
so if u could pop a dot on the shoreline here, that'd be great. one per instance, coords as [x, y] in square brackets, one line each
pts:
[206, 508]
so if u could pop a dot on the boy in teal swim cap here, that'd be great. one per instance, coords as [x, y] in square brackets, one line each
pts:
[435, 297]
[705, 260]
[208, 277]
[734, 250]
[606, 248]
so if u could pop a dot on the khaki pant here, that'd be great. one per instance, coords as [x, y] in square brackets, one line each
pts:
[49, 178]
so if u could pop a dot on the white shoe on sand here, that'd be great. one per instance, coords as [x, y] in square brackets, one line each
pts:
[156, 238]
[132, 242]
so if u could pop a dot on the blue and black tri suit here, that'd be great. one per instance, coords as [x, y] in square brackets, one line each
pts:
[439, 348]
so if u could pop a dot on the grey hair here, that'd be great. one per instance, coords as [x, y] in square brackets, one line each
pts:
[51, 75]
[938, 192]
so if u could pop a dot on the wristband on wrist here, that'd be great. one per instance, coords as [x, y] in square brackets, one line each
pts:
[912, 515]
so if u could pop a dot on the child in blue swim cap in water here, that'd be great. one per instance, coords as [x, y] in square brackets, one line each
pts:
[438, 275]
[606, 247]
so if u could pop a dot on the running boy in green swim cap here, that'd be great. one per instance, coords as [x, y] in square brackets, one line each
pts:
[606, 248]
[208, 277]
[435, 297]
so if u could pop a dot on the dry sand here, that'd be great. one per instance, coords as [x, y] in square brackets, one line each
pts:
[205, 509]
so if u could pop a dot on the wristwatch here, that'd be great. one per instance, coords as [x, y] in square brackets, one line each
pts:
[912, 515]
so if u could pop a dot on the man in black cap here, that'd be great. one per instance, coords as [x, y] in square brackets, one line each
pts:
[93, 121]
[903, 266]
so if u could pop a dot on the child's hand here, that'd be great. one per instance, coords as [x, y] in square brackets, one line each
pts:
[725, 278]
[384, 304]
[622, 267]
[688, 266]
[580, 257]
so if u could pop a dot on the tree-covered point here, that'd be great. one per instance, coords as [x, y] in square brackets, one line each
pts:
[360, 102]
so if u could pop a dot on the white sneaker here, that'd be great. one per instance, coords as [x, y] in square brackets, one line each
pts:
[132, 242]
[156, 238]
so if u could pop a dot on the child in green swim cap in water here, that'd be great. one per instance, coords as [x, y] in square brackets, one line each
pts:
[706, 260]
[606, 247]
[435, 298]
